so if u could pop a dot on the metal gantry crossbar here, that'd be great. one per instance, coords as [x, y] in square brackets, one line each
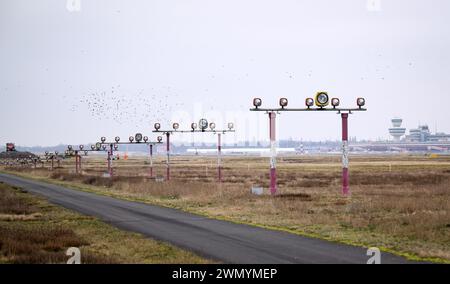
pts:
[52, 156]
[202, 127]
[317, 104]
[132, 140]
[71, 152]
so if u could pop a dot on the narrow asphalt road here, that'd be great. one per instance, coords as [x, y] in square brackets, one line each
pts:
[219, 240]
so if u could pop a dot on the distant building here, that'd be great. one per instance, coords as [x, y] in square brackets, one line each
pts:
[397, 131]
[423, 134]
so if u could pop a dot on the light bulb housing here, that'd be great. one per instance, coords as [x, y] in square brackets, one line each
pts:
[257, 102]
[157, 126]
[309, 102]
[322, 99]
[361, 102]
[203, 124]
[283, 102]
[138, 137]
[335, 102]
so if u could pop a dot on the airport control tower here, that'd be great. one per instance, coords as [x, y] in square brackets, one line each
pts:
[397, 131]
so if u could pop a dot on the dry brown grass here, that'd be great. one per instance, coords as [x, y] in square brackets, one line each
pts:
[398, 202]
[32, 231]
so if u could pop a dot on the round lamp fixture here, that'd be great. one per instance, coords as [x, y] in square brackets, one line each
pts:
[335, 102]
[117, 139]
[159, 138]
[361, 102]
[257, 102]
[309, 102]
[145, 139]
[138, 137]
[230, 125]
[176, 126]
[103, 139]
[131, 139]
[212, 125]
[322, 99]
[283, 102]
[203, 124]
[157, 126]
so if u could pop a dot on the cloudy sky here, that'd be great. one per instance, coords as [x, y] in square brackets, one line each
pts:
[72, 71]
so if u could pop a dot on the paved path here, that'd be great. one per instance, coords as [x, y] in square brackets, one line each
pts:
[219, 240]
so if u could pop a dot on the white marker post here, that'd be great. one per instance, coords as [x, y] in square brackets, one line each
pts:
[273, 154]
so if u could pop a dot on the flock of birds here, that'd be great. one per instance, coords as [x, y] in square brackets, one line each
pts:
[142, 106]
[125, 107]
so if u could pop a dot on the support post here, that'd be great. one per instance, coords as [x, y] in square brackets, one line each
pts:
[151, 160]
[76, 162]
[345, 159]
[273, 153]
[168, 156]
[219, 156]
[53, 158]
[110, 155]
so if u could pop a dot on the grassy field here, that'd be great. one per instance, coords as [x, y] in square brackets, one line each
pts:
[33, 231]
[399, 203]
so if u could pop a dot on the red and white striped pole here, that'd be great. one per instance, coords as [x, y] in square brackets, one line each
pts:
[168, 156]
[273, 153]
[151, 160]
[345, 160]
[219, 157]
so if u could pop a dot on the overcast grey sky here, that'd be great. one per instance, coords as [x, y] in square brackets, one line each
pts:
[115, 67]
